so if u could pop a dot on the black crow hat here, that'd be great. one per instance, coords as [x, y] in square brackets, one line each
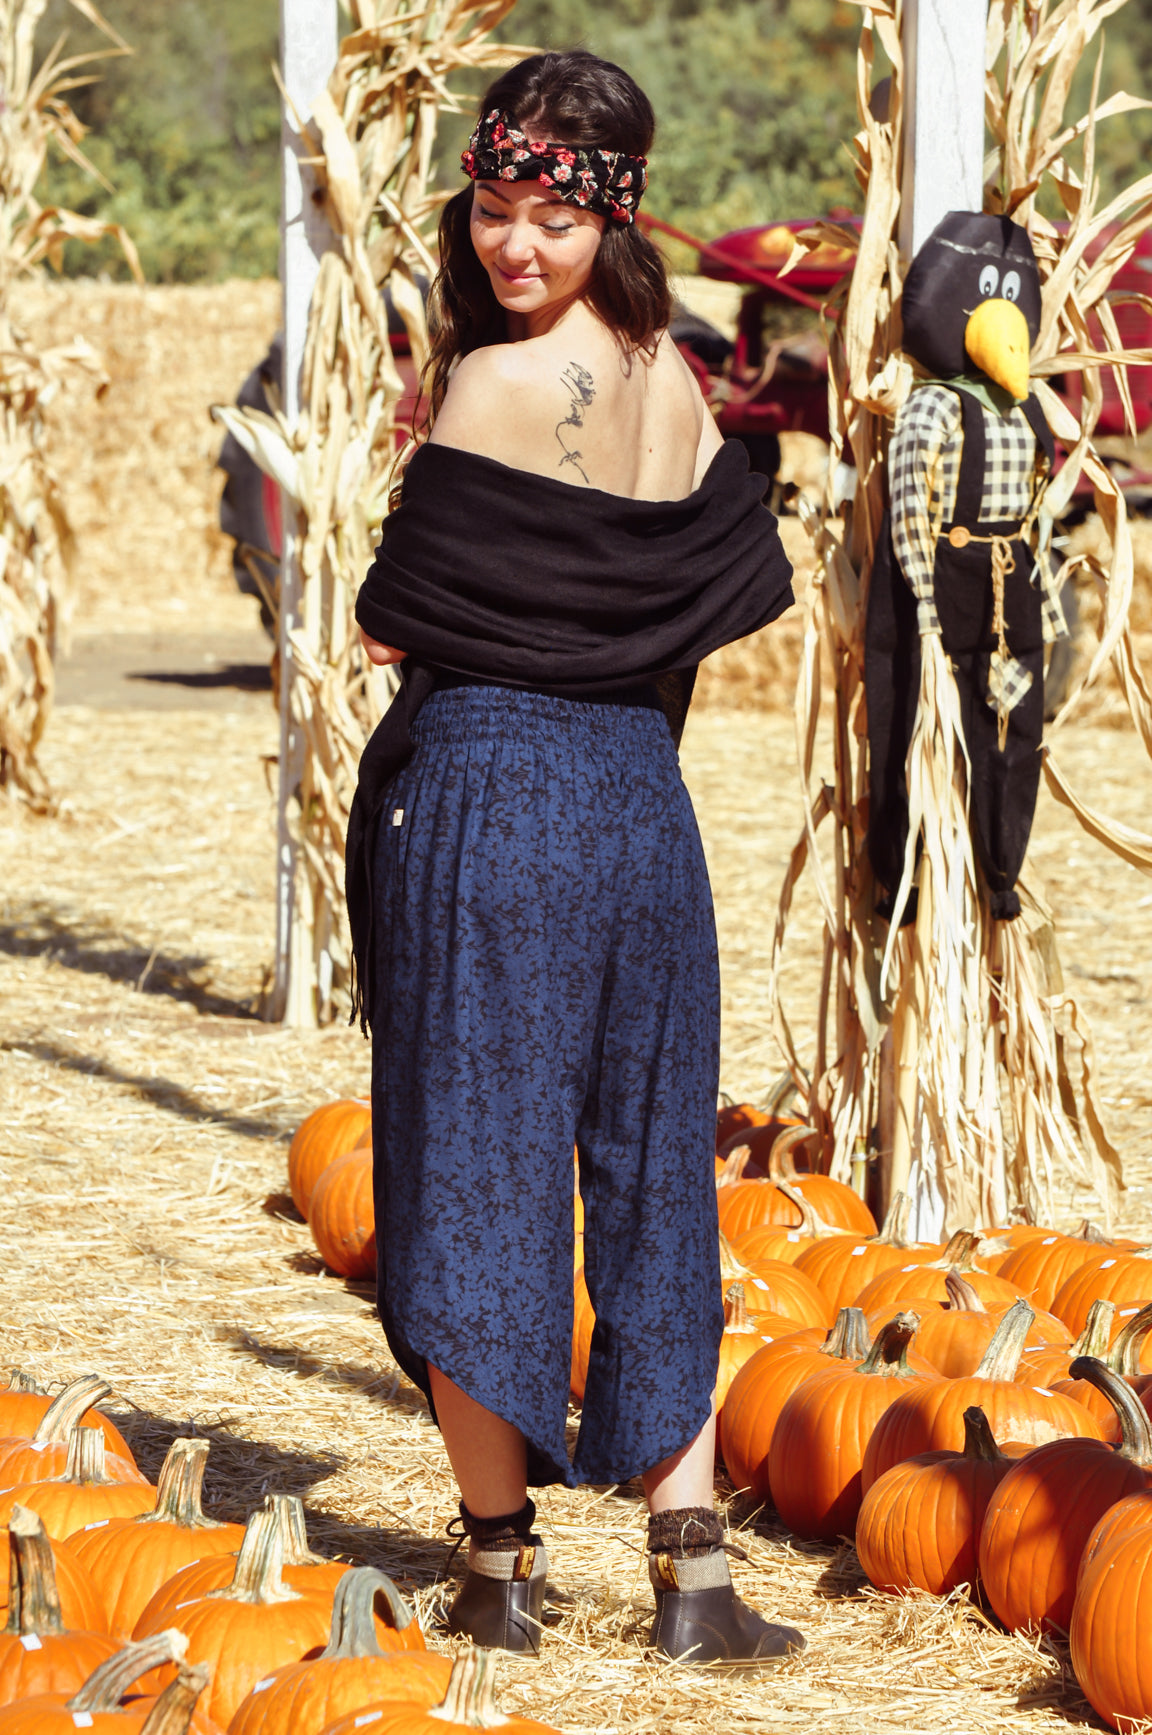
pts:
[968, 259]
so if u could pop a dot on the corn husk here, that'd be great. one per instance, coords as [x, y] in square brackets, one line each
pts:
[950, 1045]
[35, 539]
[370, 139]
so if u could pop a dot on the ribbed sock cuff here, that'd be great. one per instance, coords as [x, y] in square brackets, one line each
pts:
[686, 1532]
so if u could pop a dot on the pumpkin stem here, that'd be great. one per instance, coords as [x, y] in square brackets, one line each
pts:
[849, 1339]
[1135, 1428]
[888, 1356]
[1001, 1358]
[19, 1381]
[289, 1511]
[1097, 1333]
[735, 1164]
[732, 1267]
[107, 1685]
[179, 1486]
[959, 1254]
[1124, 1356]
[978, 1440]
[962, 1298]
[894, 1229]
[810, 1223]
[172, 1712]
[469, 1699]
[86, 1455]
[258, 1564]
[736, 1309]
[1089, 1232]
[781, 1162]
[65, 1411]
[33, 1599]
[353, 1627]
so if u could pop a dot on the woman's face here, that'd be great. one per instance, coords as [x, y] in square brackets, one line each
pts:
[538, 251]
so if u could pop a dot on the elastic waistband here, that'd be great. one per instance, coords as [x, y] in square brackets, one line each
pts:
[467, 712]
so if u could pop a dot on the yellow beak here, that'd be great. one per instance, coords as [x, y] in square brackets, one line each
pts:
[996, 338]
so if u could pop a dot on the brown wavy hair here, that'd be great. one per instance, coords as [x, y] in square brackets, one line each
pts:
[576, 99]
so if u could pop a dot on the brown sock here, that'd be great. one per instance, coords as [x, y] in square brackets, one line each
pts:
[686, 1532]
[502, 1535]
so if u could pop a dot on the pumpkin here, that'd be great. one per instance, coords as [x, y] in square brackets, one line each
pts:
[351, 1671]
[822, 1430]
[1042, 1265]
[105, 1706]
[38, 1654]
[737, 1117]
[45, 1454]
[919, 1523]
[327, 1133]
[915, 1280]
[1124, 1359]
[930, 1418]
[583, 1324]
[83, 1494]
[130, 1558]
[80, 1604]
[1132, 1513]
[774, 1287]
[342, 1218]
[745, 1204]
[955, 1333]
[1044, 1363]
[1108, 1636]
[467, 1704]
[777, 1241]
[1119, 1277]
[841, 1267]
[1044, 1511]
[741, 1340]
[249, 1627]
[23, 1406]
[765, 1383]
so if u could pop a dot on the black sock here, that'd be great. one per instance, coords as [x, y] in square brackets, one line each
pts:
[686, 1532]
[500, 1535]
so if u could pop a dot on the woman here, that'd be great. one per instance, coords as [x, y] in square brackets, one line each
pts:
[530, 908]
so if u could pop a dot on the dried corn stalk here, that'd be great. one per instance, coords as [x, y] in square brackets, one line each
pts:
[35, 543]
[372, 132]
[949, 1046]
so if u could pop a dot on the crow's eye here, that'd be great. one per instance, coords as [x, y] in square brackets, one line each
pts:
[1010, 288]
[990, 280]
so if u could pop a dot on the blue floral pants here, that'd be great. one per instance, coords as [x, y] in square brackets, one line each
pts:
[546, 961]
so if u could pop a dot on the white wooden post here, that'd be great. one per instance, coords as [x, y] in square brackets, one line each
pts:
[308, 52]
[943, 168]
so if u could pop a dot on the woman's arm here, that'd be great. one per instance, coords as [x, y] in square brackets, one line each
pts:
[380, 654]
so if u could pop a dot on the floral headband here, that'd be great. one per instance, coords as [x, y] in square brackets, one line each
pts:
[607, 182]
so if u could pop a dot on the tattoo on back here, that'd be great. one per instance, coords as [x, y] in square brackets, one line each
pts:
[580, 386]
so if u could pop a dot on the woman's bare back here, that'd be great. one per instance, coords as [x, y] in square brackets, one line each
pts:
[575, 406]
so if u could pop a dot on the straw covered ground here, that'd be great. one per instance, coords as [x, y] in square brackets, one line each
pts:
[145, 1113]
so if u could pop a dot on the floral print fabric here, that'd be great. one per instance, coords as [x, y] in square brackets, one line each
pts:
[607, 182]
[547, 973]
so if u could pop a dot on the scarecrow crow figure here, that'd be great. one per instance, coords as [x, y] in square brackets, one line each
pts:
[968, 460]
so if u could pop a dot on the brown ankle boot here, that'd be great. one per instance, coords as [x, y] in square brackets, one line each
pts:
[699, 1617]
[501, 1602]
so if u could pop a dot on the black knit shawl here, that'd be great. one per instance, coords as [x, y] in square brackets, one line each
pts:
[525, 581]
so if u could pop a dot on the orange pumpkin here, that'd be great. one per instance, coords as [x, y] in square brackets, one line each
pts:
[23, 1406]
[742, 1338]
[105, 1705]
[1124, 1359]
[38, 1654]
[45, 1455]
[955, 1333]
[130, 1558]
[1043, 1264]
[823, 1429]
[1044, 1364]
[741, 1208]
[843, 1265]
[774, 1287]
[467, 1704]
[83, 1494]
[777, 1241]
[931, 1417]
[352, 1670]
[919, 1523]
[1045, 1509]
[765, 1383]
[1132, 1513]
[915, 1280]
[253, 1625]
[342, 1217]
[735, 1118]
[1108, 1634]
[327, 1133]
[80, 1606]
[1120, 1277]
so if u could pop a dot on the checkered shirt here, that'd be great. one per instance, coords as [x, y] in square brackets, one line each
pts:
[923, 471]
